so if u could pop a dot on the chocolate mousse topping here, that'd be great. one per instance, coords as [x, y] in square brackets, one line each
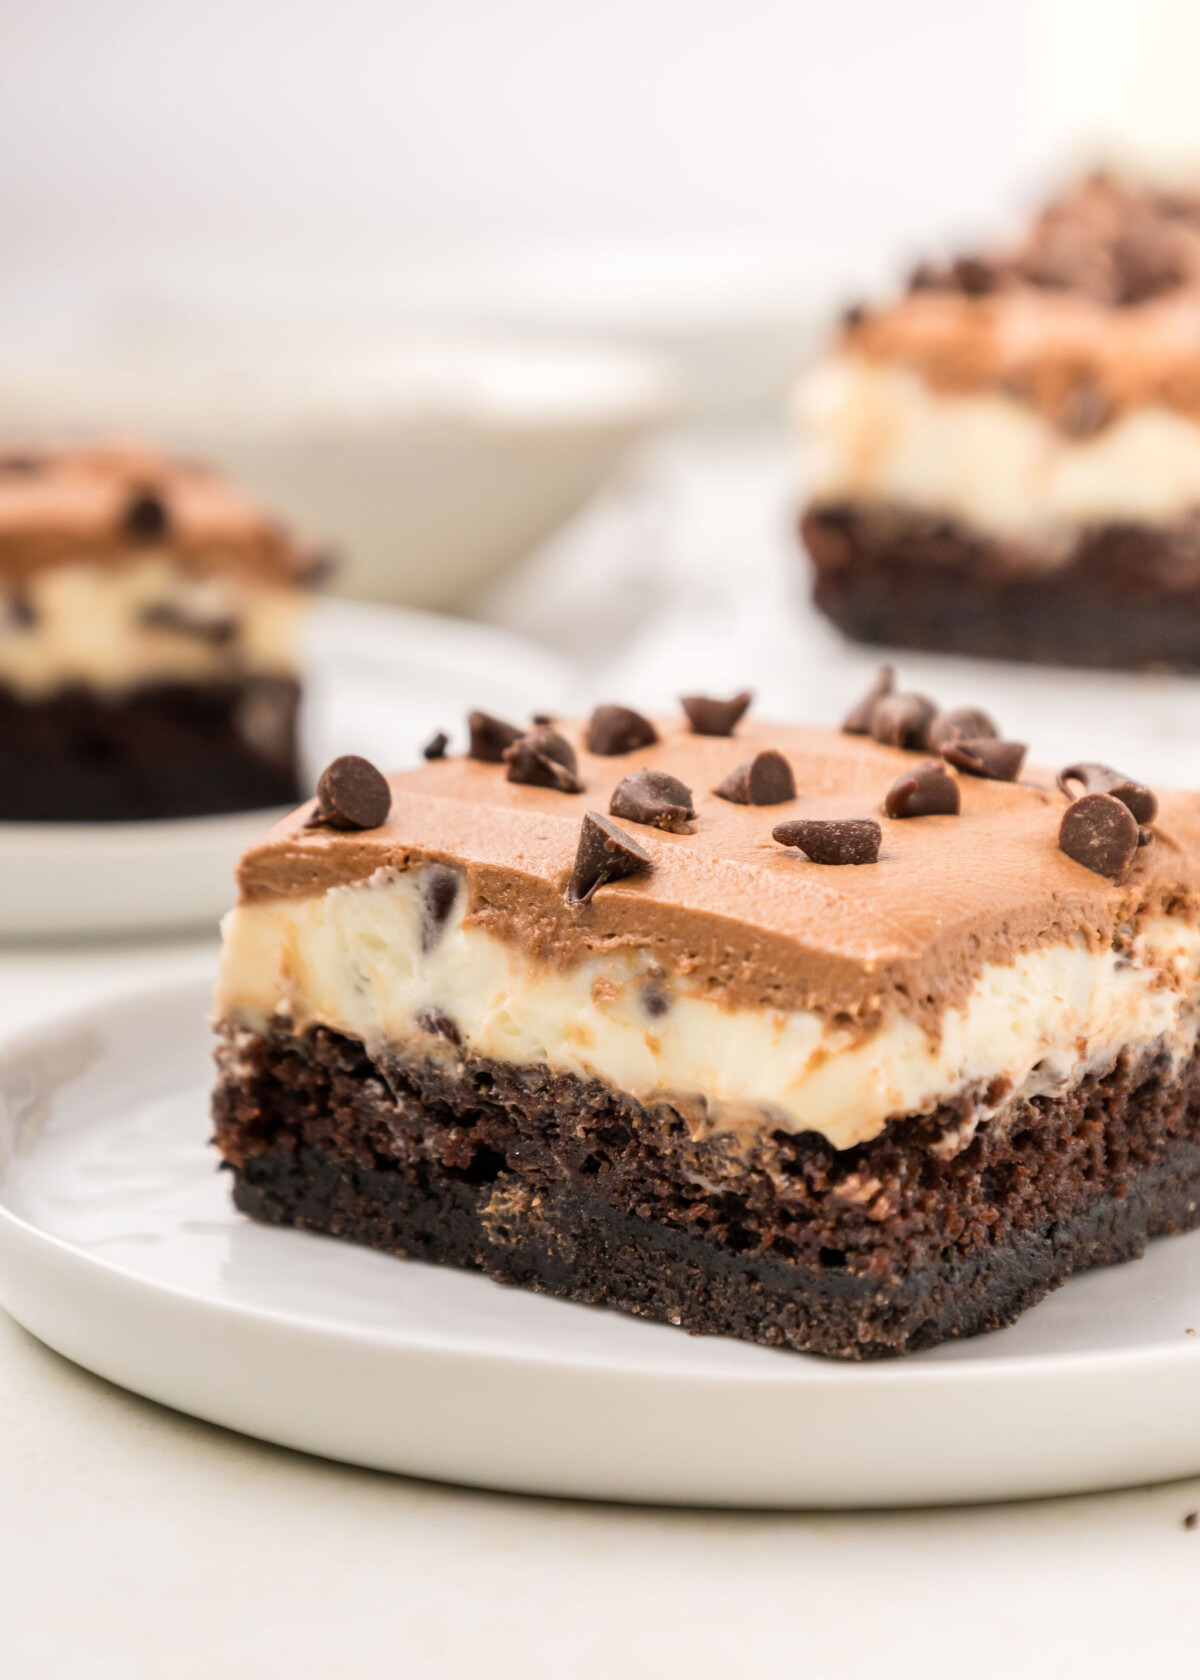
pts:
[1099, 832]
[97, 501]
[926, 791]
[605, 853]
[765, 779]
[1100, 778]
[832, 840]
[726, 905]
[655, 798]
[715, 717]
[351, 794]
[615, 730]
[489, 736]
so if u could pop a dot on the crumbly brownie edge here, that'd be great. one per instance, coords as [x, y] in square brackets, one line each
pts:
[1126, 596]
[564, 1186]
[163, 750]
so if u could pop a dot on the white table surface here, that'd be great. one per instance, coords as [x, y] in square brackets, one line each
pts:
[137, 1544]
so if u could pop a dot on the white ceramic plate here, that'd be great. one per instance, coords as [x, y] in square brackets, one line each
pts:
[379, 681]
[119, 1247]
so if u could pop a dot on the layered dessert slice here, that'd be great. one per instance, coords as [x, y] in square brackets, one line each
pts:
[844, 1042]
[148, 620]
[1006, 460]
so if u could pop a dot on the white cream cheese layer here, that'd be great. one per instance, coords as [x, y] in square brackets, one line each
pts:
[115, 627]
[352, 959]
[877, 432]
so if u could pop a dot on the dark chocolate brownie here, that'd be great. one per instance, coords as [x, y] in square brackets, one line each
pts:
[172, 750]
[1126, 596]
[565, 1186]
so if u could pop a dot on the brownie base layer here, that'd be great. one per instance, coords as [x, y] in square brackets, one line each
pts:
[171, 750]
[564, 1186]
[1126, 596]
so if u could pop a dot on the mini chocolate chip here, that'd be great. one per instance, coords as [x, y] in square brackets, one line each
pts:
[653, 797]
[975, 276]
[1084, 411]
[832, 840]
[145, 518]
[441, 1025]
[351, 794]
[22, 610]
[438, 887]
[489, 737]
[903, 720]
[765, 779]
[1145, 835]
[543, 758]
[858, 721]
[436, 746]
[1099, 832]
[605, 853]
[541, 718]
[614, 730]
[965, 722]
[999, 761]
[655, 1002]
[715, 717]
[1102, 778]
[927, 791]
[169, 615]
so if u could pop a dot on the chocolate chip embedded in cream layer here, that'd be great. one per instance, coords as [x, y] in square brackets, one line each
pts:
[803, 1072]
[1005, 461]
[148, 626]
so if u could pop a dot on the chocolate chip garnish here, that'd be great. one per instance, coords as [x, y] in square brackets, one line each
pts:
[351, 794]
[1099, 832]
[765, 779]
[540, 718]
[927, 791]
[438, 887]
[1145, 835]
[605, 853]
[1102, 778]
[655, 1002]
[974, 276]
[21, 610]
[489, 737]
[653, 797]
[832, 840]
[441, 1025]
[613, 730]
[999, 761]
[145, 518]
[436, 746]
[715, 717]
[858, 721]
[543, 758]
[216, 629]
[964, 723]
[903, 720]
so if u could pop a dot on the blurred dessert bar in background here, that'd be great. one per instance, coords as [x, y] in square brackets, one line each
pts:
[1006, 460]
[147, 640]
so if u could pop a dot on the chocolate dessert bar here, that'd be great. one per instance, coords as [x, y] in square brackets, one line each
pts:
[844, 1042]
[148, 618]
[1006, 460]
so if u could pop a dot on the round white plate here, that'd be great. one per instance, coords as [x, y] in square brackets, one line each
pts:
[378, 681]
[120, 1248]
